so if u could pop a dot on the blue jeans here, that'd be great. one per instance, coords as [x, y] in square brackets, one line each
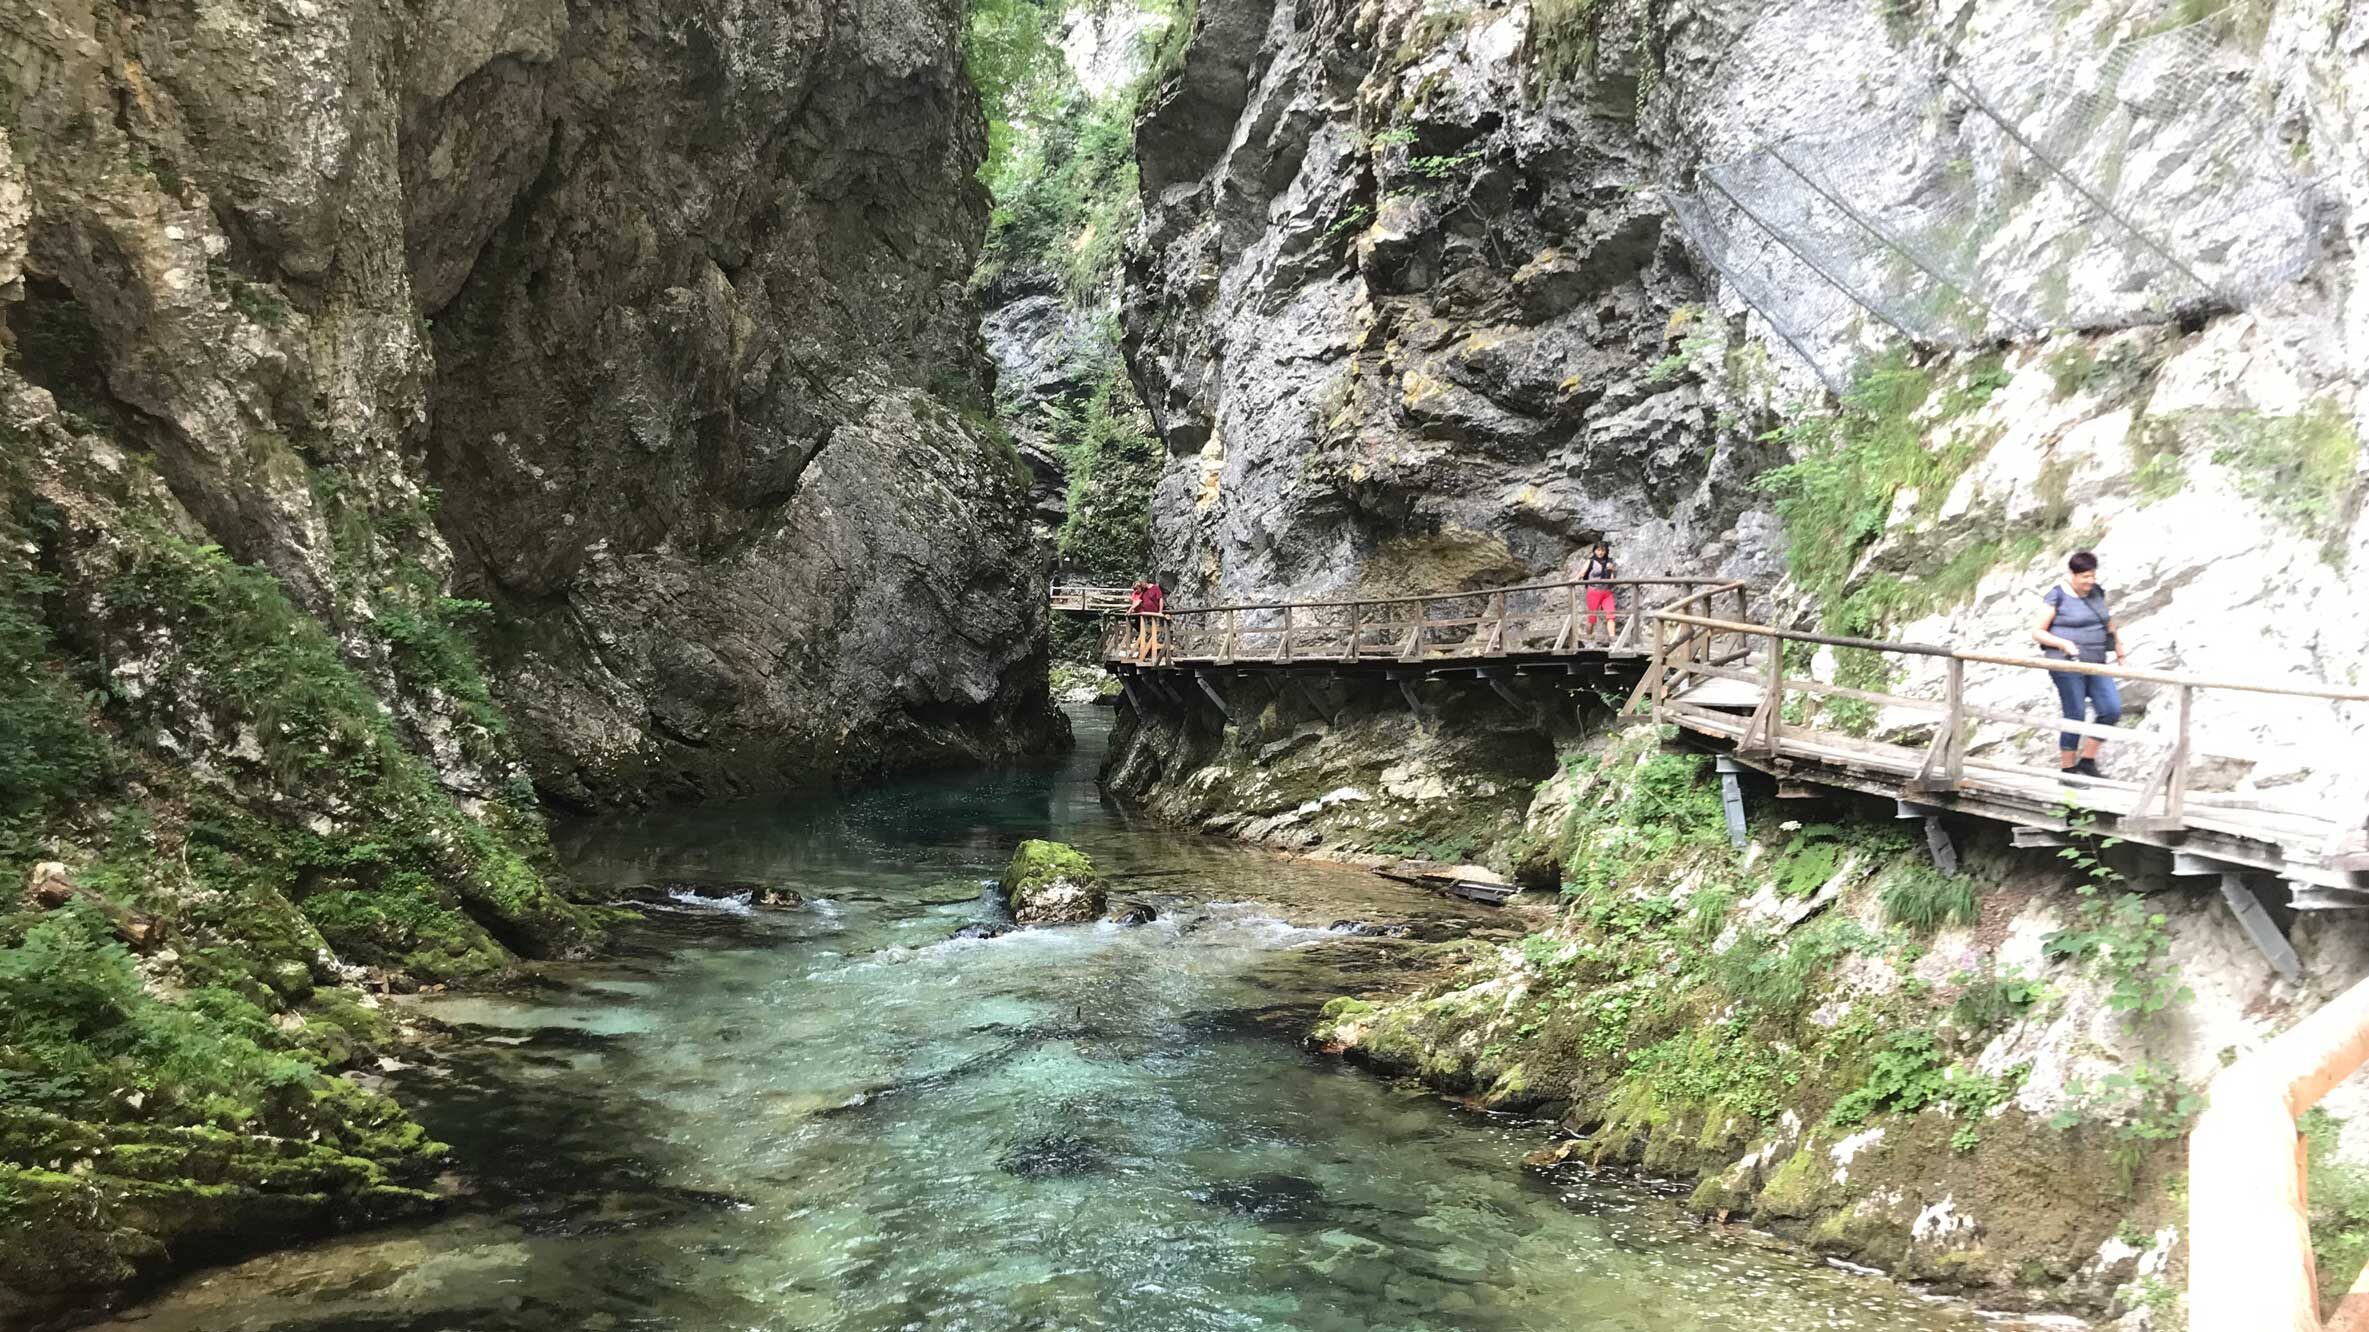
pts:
[2080, 693]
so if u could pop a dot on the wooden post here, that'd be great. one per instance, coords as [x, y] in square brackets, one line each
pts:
[1568, 640]
[1776, 691]
[1356, 627]
[1233, 638]
[1497, 630]
[1283, 646]
[1953, 762]
[2175, 797]
[1657, 671]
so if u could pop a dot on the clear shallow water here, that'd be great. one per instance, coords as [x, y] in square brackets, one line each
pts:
[833, 1117]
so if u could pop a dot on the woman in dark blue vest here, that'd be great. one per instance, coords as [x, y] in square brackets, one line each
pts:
[2077, 626]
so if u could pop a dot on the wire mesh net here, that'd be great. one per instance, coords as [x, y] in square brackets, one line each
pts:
[2101, 186]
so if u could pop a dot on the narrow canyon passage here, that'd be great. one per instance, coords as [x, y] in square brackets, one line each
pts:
[833, 1116]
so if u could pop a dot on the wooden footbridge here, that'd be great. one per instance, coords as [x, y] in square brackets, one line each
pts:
[1689, 652]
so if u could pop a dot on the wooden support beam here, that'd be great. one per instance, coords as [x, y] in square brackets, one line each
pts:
[2024, 836]
[1214, 695]
[1910, 809]
[1512, 699]
[2259, 927]
[2189, 864]
[1308, 692]
[1937, 841]
[1731, 799]
[1800, 791]
[1405, 680]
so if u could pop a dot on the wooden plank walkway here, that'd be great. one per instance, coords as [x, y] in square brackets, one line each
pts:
[1695, 658]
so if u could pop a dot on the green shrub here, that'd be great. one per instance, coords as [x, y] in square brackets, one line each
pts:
[1113, 461]
[1906, 1076]
[50, 755]
[2339, 1193]
[78, 1031]
[1924, 899]
[1991, 1002]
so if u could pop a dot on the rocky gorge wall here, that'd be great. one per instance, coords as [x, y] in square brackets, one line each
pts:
[411, 416]
[1433, 296]
[1424, 299]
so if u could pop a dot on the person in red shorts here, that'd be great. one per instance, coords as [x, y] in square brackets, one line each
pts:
[1148, 603]
[1601, 601]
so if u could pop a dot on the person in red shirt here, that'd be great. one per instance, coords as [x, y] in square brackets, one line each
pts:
[1150, 605]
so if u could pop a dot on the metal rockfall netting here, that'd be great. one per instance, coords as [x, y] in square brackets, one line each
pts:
[2045, 182]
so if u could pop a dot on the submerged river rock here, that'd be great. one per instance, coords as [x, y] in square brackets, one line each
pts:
[832, 1117]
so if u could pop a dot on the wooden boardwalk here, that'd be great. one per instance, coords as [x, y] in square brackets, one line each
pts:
[1689, 653]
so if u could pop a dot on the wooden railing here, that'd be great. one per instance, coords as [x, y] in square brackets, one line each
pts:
[2249, 1224]
[1692, 646]
[1088, 598]
[1507, 621]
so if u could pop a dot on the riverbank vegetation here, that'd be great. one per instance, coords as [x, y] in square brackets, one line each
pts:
[1825, 1033]
[219, 819]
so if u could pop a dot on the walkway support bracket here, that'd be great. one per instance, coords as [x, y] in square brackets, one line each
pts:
[2259, 927]
[1731, 798]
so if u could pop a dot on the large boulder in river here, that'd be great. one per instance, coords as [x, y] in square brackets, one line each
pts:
[1052, 883]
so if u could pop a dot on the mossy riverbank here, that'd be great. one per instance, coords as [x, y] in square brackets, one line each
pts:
[235, 802]
[1979, 1080]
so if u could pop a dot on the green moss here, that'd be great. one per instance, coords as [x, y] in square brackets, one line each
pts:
[2305, 469]
[1795, 1188]
[1038, 863]
[407, 925]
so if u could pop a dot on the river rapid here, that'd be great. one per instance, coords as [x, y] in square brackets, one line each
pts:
[835, 1117]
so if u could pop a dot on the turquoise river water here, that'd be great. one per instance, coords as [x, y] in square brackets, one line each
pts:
[836, 1117]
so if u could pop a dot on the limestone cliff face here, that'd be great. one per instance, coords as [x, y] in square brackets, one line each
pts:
[1398, 316]
[620, 348]
[1432, 296]
[659, 310]
[697, 290]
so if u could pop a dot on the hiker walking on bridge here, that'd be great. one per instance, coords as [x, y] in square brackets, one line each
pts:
[2076, 625]
[1601, 601]
[1148, 604]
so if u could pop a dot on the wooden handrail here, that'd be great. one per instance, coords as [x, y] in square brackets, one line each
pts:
[2249, 1232]
[2027, 663]
[1448, 596]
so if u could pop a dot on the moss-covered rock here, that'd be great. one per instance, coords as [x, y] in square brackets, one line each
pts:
[1052, 883]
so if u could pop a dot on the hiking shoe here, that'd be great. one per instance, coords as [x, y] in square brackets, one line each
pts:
[2088, 767]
